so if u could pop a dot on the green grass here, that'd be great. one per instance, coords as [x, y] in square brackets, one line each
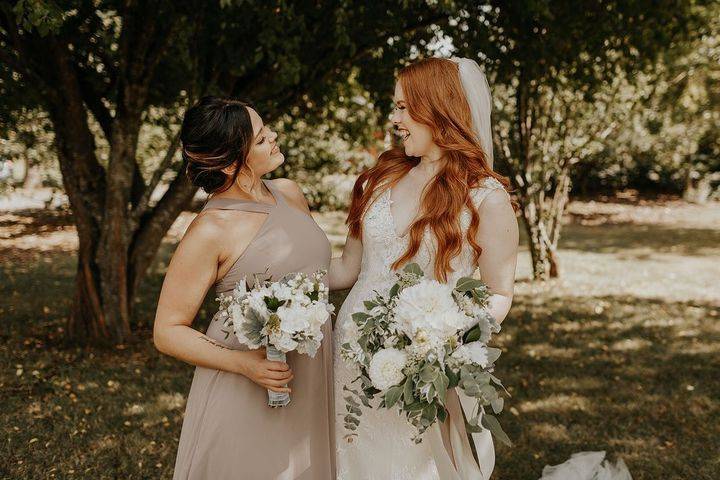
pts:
[620, 355]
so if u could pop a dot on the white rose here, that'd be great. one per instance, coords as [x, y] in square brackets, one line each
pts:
[310, 346]
[423, 343]
[452, 321]
[429, 306]
[386, 368]
[461, 354]
[283, 342]
[317, 314]
[256, 301]
[292, 319]
[282, 292]
[473, 352]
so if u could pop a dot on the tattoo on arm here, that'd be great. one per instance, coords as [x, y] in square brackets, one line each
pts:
[213, 342]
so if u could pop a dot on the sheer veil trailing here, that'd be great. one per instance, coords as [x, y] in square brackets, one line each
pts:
[477, 93]
[583, 465]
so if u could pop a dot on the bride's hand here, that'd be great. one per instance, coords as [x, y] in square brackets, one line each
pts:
[266, 373]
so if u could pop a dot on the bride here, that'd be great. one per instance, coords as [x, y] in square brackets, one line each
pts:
[436, 202]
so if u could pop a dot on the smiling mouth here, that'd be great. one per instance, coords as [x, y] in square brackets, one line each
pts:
[275, 149]
[403, 134]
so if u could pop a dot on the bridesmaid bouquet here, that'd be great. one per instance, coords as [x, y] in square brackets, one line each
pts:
[282, 316]
[418, 341]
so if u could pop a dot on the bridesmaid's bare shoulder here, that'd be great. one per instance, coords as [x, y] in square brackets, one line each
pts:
[216, 230]
[293, 193]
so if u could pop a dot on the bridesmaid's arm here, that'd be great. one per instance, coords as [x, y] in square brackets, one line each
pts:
[344, 270]
[498, 237]
[191, 273]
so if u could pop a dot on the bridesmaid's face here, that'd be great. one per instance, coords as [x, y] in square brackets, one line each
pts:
[416, 137]
[265, 155]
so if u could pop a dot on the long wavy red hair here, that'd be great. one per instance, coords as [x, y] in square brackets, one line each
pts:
[434, 97]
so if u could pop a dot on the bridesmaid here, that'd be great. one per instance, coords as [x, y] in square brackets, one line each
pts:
[248, 226]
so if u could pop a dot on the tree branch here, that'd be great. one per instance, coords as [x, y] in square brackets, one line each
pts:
[155, 224]
[142, 203]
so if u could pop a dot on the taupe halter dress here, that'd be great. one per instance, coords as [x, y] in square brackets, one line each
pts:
[229, 432]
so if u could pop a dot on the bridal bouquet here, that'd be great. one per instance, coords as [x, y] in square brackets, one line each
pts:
[282, 316]
[417, 341]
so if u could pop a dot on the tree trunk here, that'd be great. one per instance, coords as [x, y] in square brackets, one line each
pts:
[539, 251]
[698, 187]
[543, 222]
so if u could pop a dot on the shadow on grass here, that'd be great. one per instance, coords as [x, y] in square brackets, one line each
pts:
[635, 377]
[652, 238]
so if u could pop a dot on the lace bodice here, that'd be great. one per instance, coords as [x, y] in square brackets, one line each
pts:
[381, 247]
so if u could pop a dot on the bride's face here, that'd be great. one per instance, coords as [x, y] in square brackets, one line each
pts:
[416, 137]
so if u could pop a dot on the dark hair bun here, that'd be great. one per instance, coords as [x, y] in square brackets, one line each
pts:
[216, 134]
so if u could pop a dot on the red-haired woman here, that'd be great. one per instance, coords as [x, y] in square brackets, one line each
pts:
[436, 202]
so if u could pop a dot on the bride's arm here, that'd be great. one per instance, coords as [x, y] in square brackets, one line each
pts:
[344, 270]
[498, 237]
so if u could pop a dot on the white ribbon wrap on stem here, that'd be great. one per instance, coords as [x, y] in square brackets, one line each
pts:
[276, 399]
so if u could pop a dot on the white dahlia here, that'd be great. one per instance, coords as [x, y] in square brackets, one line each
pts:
[386, 368]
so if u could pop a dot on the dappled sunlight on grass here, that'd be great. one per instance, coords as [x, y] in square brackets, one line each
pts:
[630, 344]
[550, 431]
[620, 354]
[556, 404]
[546, 350]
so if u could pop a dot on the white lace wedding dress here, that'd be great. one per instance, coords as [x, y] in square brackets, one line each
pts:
[383, 447]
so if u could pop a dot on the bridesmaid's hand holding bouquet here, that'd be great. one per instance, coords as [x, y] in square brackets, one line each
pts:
[282, 316]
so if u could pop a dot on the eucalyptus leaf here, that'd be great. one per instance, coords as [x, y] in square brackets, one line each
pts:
[441, 384]
[360, 317]
[369, 305]
[467, 284]
[392, 395]
[493, 354]
[453, 378]
[429, 413]
[414, 269]
[442, 414]
[498, 404]
[429, 373]
[408, 397]
[492, 424]
[473, 335]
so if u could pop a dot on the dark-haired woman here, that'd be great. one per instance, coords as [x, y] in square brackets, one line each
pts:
[249, 225]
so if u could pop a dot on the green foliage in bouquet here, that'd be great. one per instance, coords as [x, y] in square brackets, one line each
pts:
[420, 390]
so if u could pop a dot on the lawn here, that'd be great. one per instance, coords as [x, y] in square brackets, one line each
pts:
[622, 354]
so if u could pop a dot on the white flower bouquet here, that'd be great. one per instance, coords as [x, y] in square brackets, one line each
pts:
[282, 316]
[416, 342]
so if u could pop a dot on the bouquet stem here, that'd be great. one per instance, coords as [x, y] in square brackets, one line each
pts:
[276, 399]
